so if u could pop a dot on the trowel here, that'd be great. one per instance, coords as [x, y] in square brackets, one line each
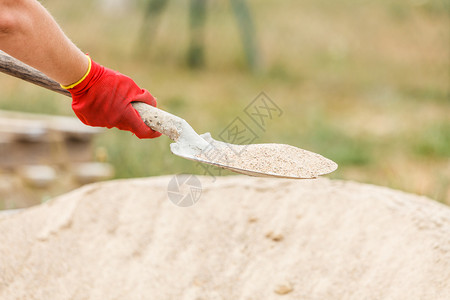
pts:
[264, 160]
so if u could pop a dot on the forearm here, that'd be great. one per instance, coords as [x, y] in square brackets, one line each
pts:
[29, 33]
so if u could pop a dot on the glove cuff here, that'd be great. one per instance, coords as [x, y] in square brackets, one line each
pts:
[66, 87]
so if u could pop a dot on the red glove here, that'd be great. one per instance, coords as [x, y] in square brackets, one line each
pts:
[103, 98]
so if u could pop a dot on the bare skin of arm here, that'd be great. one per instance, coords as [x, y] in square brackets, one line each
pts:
[29, 33]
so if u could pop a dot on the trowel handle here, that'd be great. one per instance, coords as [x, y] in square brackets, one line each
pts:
[160, 120]
[153, 117]
[11, 66]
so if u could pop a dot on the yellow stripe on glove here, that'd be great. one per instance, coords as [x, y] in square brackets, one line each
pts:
[82, 78]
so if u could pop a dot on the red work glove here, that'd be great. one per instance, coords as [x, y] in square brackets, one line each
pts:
[103, 98]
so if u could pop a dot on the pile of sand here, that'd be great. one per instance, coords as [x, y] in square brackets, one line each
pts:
[247, 238]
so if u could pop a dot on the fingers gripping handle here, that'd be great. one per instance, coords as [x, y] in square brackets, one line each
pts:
[153, 117]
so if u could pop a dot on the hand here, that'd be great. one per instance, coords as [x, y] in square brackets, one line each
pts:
[103, 98]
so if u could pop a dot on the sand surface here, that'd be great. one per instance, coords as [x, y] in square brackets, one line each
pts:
[280, 160]
[246, 238]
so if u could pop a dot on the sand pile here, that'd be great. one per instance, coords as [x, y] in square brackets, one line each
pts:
[247, 238]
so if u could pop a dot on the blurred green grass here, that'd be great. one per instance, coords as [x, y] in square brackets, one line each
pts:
[363, 83]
